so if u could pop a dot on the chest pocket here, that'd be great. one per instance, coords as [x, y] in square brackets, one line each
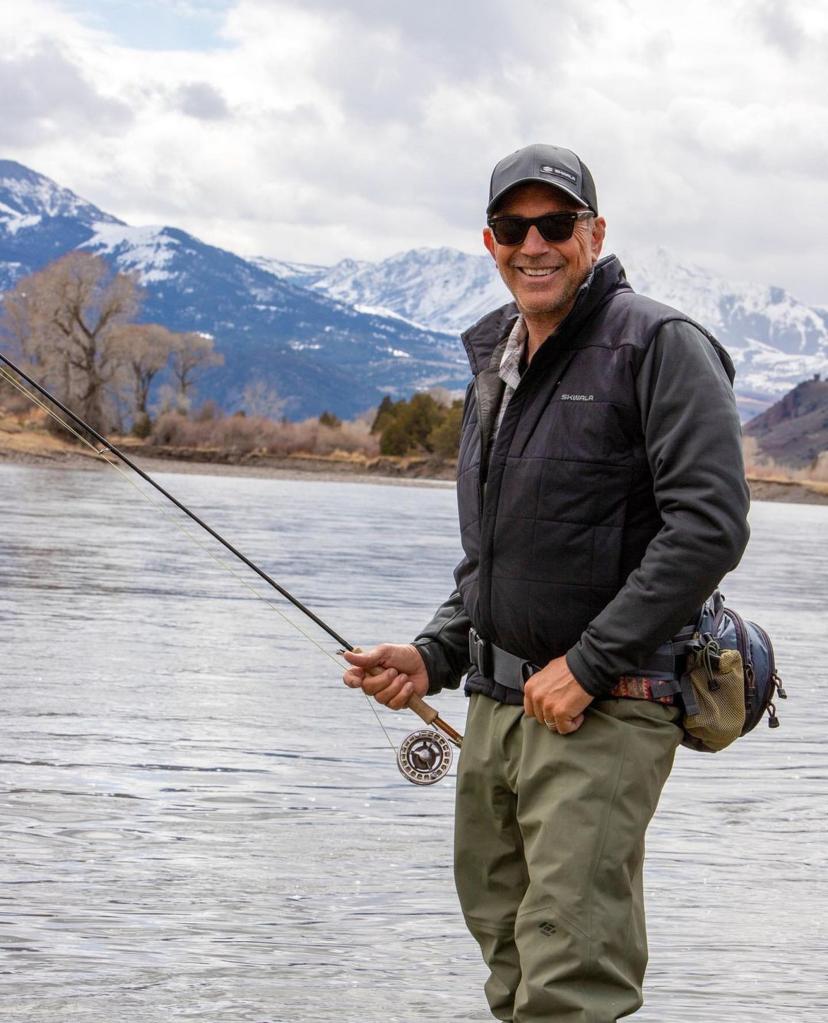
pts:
[582, 428]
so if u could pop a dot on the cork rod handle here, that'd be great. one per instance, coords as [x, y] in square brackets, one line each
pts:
[422, 709]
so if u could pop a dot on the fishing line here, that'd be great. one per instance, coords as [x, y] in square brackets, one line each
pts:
[182, 528]
[425, 756]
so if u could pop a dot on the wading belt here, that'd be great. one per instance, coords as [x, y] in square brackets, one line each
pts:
[659, 680]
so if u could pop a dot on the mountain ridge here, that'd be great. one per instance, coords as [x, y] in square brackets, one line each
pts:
[340, 337]
[774, 340]
[794, 430]
[313, 350]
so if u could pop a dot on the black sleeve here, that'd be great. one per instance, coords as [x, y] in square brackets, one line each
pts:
[444, 645]
[693, 441]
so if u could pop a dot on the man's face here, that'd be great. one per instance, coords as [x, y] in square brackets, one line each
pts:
[544, 277]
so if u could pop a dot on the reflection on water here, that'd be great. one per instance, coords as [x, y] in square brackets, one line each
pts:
[201, 823]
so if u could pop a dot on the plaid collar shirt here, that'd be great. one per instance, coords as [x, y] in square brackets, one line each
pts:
[509, 371]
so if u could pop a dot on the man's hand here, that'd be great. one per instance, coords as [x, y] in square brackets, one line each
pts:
[402, 672]
[555, 697]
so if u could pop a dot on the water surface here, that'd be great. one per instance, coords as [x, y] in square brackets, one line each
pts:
[199, 822]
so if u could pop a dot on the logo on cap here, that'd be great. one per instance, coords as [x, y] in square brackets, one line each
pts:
[561, 173]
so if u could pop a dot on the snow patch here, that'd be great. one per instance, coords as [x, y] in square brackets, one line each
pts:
[147, 251]
[16, 223]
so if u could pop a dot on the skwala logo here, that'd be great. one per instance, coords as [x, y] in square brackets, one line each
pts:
[577, 397]
[560, 172]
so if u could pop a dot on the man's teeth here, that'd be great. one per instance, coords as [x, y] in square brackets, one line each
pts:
[542, 272]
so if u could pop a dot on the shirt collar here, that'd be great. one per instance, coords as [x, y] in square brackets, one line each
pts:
[509, 371]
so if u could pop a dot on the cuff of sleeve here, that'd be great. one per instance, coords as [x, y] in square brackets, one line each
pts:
[439, 671]
[589, 679]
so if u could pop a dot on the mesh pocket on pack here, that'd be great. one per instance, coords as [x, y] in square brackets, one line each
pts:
[720, 694]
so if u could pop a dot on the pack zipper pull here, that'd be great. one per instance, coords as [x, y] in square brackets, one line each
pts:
[777, 681]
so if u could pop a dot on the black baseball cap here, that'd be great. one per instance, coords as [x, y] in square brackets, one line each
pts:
[560, 168]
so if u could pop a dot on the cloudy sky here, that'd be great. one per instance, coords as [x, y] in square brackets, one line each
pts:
[318, 129]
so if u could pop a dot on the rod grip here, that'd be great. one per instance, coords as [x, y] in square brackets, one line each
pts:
[415, 702]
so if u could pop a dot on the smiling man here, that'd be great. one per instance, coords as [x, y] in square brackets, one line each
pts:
[602, 497]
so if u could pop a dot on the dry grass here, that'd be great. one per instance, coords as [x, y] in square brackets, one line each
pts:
[24, 429]
[246, 435]
[763, 468]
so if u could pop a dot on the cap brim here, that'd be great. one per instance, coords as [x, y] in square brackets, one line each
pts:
[532, 180]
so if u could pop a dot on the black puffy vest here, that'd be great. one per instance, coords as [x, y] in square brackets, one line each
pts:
[563, 508]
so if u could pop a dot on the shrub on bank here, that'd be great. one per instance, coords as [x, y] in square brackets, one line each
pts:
[419, 425]
[242, 435]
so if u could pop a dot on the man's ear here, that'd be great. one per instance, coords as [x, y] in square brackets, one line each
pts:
[488, 241]
[599, 230]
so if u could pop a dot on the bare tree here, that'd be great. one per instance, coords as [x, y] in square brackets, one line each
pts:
[260, 400]
[65, 320]
[192, 353]
[145, 350]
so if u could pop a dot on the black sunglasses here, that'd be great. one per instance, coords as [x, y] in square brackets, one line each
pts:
[554, 227]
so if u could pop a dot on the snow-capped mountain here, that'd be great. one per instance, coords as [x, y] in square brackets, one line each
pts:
[340, 337]
[438, 288]
[774, 340]
[39, 221]
[296, 273]
[312, 350]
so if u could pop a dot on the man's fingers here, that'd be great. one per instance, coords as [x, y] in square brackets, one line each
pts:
[373, 685]
[569, 725]
[395, 694]
[367, 673]
[353, 678]
[363, 659]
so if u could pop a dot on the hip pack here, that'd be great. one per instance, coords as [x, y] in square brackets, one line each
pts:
[730, 679]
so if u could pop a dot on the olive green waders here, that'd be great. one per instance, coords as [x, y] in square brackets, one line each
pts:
[549, 850]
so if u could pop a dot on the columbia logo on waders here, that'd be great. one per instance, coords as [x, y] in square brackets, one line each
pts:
[548, 928]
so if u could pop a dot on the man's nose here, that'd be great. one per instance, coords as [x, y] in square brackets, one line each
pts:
[534, 244]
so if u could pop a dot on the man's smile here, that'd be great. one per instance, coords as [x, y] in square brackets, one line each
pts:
[537, 271]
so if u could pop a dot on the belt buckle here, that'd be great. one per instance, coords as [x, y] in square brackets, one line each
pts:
[480, 653]
[527, 670]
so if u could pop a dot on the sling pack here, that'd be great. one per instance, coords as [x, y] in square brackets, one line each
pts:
[720, 668]
[730, 678]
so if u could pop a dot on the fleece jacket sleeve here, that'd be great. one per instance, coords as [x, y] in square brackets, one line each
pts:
[444, 645]
[693, 443]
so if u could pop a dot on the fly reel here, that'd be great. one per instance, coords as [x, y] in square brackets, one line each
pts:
[424, 757]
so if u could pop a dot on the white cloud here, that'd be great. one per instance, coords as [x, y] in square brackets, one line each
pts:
[323, 129]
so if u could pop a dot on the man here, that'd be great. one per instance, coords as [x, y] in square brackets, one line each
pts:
[602, 497]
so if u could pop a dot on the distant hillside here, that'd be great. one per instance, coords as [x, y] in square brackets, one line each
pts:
[794, 431]
[314, 351]
[774, 340]
[339, 338]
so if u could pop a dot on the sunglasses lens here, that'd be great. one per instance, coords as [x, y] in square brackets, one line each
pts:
[557, 227]
[510, 230]
[554, 227]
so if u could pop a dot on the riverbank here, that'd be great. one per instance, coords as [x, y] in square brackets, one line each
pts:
[24, 447]
[41, 448]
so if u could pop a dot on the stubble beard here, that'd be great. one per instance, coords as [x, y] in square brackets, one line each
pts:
[557, 307]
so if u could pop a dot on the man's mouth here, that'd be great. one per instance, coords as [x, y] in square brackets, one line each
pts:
[540, 271]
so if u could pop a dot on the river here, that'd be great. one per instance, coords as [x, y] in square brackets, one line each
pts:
[199, 822]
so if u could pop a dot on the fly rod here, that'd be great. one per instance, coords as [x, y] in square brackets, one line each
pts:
[420, 756]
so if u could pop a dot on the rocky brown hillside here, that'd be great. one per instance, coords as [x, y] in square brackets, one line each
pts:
[794, 431]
